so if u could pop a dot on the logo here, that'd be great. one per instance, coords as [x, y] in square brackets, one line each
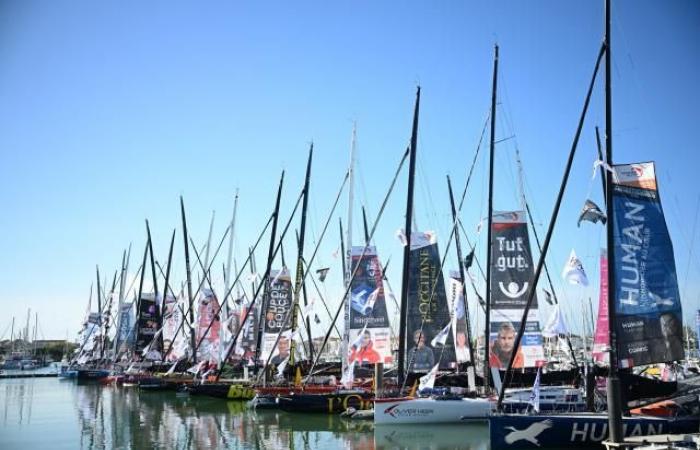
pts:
[528, 434]
[512, 291]
[390, 410]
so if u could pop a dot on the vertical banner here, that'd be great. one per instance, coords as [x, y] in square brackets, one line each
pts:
[647, 301]
[368, 313]
[277, 317]
[248, 338]
[511, 278]
[455, 294]
[601, 340]
[148, 322]
[208, 308]
[125, 333]
[172, 319]
[427, 310]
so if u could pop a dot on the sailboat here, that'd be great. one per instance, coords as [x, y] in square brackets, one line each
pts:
[644, 324]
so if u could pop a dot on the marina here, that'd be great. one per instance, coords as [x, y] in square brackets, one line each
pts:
[340, 304]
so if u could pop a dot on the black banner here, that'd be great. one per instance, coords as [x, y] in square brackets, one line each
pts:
[148, 323]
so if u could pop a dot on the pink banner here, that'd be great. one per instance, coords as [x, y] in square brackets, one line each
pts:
[601, 341]
[208, 307]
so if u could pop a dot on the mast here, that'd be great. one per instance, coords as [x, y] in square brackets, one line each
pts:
[299, 282]
[138, 299]
[122, 284]
[351, 196]
[99, 308]
[342, 250]
[461, 272]
[227, 282]
[189, 280]
[206, 251]
[613, 386]
[12, 335]
[492, 146]
[266, 280]
[364, 225]
[407, 248]
[165, 294]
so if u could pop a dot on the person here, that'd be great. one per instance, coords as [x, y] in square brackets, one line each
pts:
[502, 348]
[461, 349]
[282, 351]
[366, 352]
[420, 357]
[672, 335]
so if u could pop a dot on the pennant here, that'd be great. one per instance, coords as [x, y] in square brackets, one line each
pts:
[592, 213]
[535, 395]
[317, 319]
[573, 271]
[555, 325]
[322, 274]
[468, 260]
[308, 309]
[548, 297]
[335, 253]
[441, 337]
[427, 381]
[401, 236]
[348, 377]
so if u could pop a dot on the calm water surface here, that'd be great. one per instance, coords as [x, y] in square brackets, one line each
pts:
[59, 414]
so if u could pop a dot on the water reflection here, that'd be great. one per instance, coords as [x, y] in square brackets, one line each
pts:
[94, 417]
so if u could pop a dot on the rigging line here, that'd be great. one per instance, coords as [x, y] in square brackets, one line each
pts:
[289, 314]
[364, 250]
[267, 275]
[323, 301]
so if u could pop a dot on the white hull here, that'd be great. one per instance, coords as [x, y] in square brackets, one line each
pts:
[429, 410]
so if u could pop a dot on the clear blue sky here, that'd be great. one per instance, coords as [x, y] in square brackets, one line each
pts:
[110, 111]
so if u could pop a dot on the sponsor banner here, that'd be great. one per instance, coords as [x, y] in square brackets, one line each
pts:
[172, 320]
[125, 334]
[148, 322]
[207, 314]
[277, 317]
[368, 307]
[427, 310]
[511, 278]
[647, 300]
[601, 340]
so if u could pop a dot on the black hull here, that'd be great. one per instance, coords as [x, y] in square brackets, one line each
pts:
[333, 403]
[225, 391]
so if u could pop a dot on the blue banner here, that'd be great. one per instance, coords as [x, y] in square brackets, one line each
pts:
[647, 301]
[697, 329]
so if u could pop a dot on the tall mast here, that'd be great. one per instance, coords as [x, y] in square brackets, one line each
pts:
[12, 335]
[492, 148]
[166, 288]
[364, 225]
[138, 299]
[351, 197]
[613, 388]
[266, 280]
[193, 343]
[407, 248]
[461, 273]
[99, 308]
[300, 266]
[122, 285]
[227, 282]
[342, 248]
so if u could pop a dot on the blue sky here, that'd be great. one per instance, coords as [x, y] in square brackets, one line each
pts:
[110, 111]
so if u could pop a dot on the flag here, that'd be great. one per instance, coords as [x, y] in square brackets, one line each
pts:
[317, 319]
[308, 309]
[592, 213]
[348, 377]
[441, 337]
[401, 236]
[427, 381]
[322, 273]
[535, 395]
[548, 297]
[357, 343]
[468, 260]
[555, 325]
[253, 277]
[281, 367]
[604, 165]
[573, 271]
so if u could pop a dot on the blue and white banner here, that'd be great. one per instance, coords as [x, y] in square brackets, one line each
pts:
[647, 301]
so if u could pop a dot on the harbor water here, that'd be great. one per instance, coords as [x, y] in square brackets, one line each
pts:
[60, 414]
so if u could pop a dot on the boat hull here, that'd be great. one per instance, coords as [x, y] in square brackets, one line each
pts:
[580, 430]
[329, 403]
[226, 391]
[91, 374]
[430, 410]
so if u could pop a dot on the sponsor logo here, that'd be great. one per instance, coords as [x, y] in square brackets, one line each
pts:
[528, 434]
